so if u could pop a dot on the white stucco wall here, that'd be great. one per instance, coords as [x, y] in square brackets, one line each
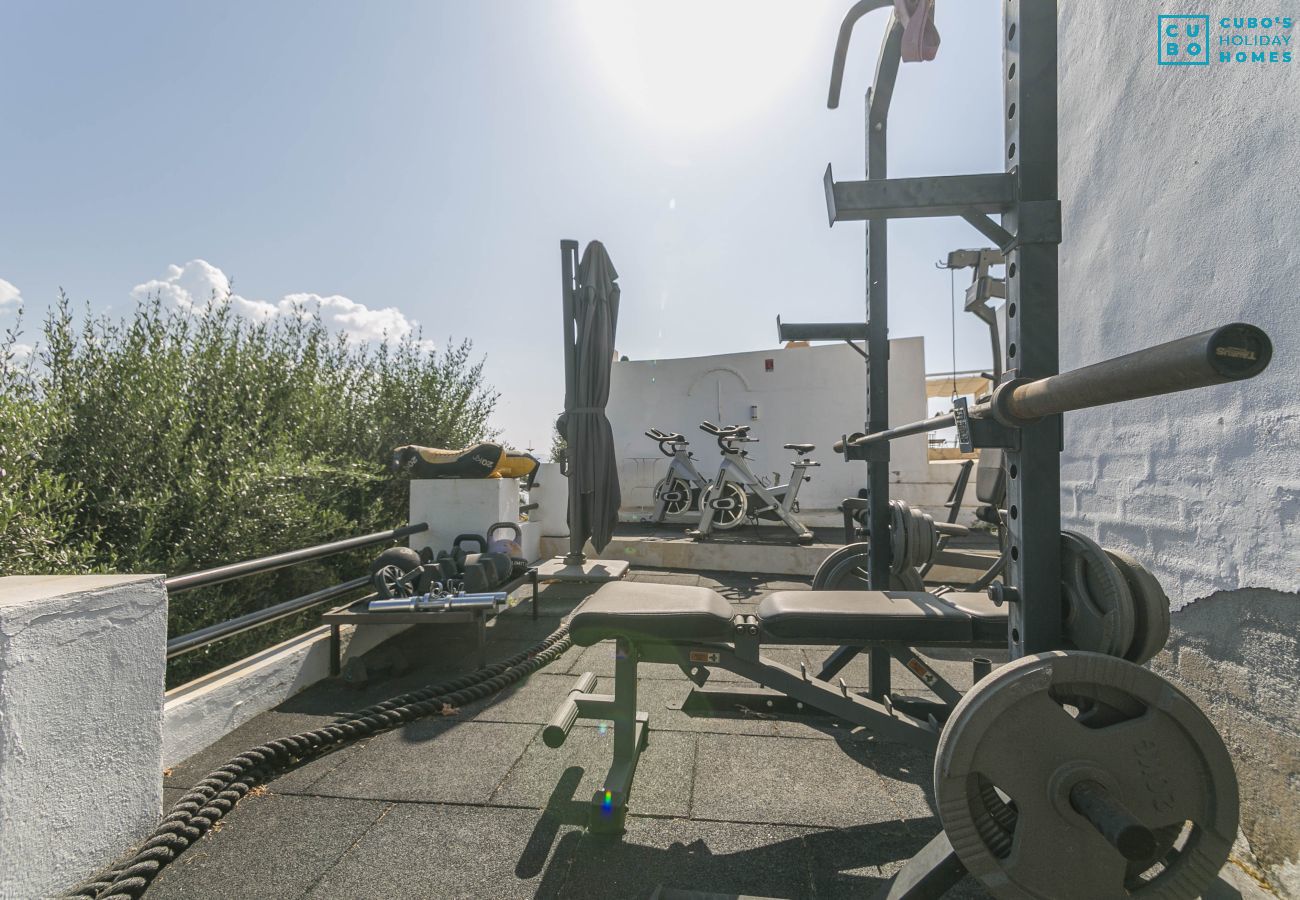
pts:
[1181, 194]
[1181, 198]
[81, 696]
[812, 395]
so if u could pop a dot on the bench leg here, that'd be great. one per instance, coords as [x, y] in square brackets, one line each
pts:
[631, 735]
[532, 578]
[336, 650]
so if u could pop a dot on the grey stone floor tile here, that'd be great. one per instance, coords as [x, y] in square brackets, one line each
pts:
[856, 861]
[268, 726]
[567, 777]
[442, 760]
[655, 576]
[662, 699]
[721, 857]
[789, 781]
[457, 853]
[268, 846]
[532, 701]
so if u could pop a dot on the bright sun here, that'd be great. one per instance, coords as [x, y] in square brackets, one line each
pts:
[700, 65]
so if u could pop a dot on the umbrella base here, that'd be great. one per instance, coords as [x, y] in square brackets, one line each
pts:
[590, 570]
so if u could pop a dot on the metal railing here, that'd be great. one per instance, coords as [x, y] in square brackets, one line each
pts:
[186, 643]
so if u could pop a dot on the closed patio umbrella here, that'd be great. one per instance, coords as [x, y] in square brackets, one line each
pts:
[590, 322]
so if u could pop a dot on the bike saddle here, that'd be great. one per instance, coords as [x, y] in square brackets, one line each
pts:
[801, 449]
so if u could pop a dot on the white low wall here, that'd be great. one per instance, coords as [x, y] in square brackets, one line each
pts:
[201, 712]
[808, 395]
[82, 664]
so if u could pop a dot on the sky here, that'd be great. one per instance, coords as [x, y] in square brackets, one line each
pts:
[406, 167]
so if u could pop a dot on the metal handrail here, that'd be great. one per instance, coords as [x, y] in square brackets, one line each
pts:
[220, 574]
[212, 633]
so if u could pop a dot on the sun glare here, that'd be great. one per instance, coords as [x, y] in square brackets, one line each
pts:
[699, 66]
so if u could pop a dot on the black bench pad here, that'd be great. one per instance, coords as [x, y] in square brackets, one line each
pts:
[651, 612]
[906, 617]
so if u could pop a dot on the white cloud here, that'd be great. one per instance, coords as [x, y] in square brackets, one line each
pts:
[193, 286]
[21, 351]
[9, 294]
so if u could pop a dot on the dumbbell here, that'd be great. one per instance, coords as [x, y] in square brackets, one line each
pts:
[499, 565]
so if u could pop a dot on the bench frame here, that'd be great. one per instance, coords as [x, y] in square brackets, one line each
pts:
[918, 724]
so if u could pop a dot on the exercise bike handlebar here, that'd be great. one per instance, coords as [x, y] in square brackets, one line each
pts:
[1232, 352]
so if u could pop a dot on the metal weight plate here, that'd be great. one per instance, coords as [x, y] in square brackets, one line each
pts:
[931, 539]
[897, 537]
[1098, 605]
[1024, 737]
[847, 570]
[915, 537]
[1150, 608]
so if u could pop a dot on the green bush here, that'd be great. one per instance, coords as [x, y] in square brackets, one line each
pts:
[171, 442]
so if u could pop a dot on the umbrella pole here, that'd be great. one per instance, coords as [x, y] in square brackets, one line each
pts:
[568, 271]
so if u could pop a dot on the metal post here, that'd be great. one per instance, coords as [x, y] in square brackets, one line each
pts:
[877, 277]
[568, 271]
[876, 119]
[1032, 351]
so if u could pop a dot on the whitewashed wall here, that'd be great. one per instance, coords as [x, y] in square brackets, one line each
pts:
[1181, 192]
[812, 395]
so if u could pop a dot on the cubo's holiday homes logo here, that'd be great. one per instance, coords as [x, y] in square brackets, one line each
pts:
[1186, 40]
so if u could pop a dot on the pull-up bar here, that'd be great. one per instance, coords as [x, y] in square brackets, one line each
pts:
[1231, 353]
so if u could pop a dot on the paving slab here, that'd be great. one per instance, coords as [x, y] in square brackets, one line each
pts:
[266, 727]
[531, 701]
[759, 860]
[567, 777]
[663, 698]
[854, 862]
[268, 846]
[455, 852]
[789, 781]
[433, 760]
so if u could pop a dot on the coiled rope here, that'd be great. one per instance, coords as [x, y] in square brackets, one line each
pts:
[203, 806]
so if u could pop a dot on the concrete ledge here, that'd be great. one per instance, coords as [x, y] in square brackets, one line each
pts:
[201, 712]
[82, 660]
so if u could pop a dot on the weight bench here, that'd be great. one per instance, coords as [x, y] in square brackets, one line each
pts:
[696, 629]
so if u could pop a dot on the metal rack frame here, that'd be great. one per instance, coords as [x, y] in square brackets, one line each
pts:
[1025, 197]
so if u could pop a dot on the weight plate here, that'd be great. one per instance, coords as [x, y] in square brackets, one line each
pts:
[897, 538]
[1022, 737]
[914, 539]
[1150, 608]
[1098, 605]
[931, 539]
[847, 570]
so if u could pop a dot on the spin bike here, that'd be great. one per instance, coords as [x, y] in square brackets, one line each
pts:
[679, 491]
[737, 493]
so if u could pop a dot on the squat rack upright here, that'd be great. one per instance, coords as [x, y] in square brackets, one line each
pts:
[1025, 197]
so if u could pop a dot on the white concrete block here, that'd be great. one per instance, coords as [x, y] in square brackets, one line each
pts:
[82, 664]
[552, 492]
[532, 540]
[455, 506]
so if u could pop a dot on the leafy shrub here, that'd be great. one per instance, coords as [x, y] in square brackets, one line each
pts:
[172, 442]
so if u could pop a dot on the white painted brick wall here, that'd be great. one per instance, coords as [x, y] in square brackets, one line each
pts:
[1182, 212]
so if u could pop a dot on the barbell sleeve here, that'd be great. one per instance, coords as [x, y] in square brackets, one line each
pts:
[1230, 353]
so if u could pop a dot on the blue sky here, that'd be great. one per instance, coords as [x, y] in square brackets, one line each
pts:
[404, 164]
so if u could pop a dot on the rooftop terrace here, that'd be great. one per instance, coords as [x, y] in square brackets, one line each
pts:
[475, 805]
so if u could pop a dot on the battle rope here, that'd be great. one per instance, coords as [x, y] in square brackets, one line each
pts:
[195, 813]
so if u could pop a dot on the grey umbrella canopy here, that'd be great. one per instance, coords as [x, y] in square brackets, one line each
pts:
[590, 322]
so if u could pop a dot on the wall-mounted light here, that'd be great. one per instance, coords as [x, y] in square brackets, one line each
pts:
[753, 412]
